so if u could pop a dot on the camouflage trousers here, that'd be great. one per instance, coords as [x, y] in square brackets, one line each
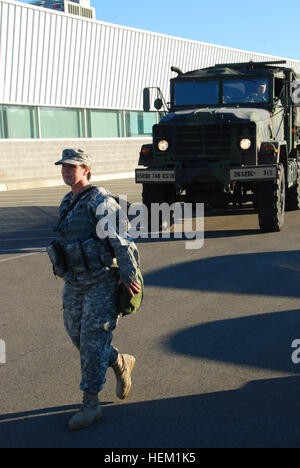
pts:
[90, 316]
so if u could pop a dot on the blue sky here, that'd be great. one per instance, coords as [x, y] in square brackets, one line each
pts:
[264, 26]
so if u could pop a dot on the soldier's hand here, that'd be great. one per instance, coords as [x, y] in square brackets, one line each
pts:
[133, 288]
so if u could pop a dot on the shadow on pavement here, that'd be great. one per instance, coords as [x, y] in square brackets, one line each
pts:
[231, 211]
[231, 233]
[31, 227]
[266, 273]
[26, 228]
[264, 413]
[260, 341]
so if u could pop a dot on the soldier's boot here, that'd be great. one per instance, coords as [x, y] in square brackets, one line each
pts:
[123, 367]
[89, 412]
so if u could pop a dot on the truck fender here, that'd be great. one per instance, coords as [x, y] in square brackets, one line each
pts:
[273, 152]
[146, 155]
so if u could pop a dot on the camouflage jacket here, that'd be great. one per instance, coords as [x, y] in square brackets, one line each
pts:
[93, 237]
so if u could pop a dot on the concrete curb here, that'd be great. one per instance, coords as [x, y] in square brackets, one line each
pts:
[39, 183]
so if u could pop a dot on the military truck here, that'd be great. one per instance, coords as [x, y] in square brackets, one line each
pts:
[230, 134]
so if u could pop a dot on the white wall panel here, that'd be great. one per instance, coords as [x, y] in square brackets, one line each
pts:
[50, 58]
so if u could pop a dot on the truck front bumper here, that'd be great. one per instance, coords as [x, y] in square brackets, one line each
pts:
[253, 173]
[224, 174]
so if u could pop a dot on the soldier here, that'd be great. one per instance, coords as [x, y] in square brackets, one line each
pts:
[92, 268]
[261, 94]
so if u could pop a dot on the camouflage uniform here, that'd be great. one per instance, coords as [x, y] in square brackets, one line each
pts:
[91, 280]
[90, 318]
[255, 97]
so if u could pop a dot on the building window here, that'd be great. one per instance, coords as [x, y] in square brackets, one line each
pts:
[61, 123]
[32, 122]
[86, 12]
[73, 9]
[2, 132]
[18, 122]
[139, 123]
[104, 124]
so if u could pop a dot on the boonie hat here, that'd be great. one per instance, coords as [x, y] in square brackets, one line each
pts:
[77, 157]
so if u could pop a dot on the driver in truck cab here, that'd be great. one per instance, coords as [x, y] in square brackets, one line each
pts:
[261, 94]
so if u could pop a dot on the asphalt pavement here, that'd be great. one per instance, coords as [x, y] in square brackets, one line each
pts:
[213, 341]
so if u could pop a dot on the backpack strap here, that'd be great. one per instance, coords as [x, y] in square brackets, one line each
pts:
[73, 204]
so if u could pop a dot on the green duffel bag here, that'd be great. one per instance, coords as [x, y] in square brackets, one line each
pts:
[127, 304]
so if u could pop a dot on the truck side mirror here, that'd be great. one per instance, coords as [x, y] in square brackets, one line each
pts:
[146, 99]
[158, 104]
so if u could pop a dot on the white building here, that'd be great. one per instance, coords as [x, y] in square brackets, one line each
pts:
[69, 81]
[74, 7]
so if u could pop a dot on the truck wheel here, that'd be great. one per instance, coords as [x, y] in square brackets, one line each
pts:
[293, 194]
[270, 198]
[157, 193]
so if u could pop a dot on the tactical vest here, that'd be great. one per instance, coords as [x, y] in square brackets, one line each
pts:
[77, 253]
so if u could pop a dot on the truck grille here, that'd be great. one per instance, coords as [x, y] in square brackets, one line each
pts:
[193, 140]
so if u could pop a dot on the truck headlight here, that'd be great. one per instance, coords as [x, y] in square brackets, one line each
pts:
[245, 144]
[163, 145]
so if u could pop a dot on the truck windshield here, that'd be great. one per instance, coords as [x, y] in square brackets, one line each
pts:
[191, 93]
[242, 91]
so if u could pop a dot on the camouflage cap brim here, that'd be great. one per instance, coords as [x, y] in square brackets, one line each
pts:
[76, 157]
[68, 161]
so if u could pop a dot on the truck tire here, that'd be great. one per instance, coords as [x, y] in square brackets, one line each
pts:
[293, 194]
[270, 198]
[158, 193]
